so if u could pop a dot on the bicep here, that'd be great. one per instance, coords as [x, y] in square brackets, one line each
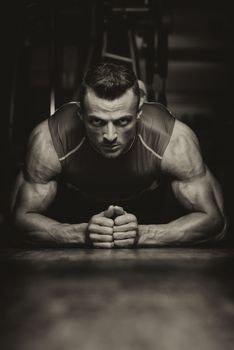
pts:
[200, 194]
[193, 184]
[32, 196]
[36, 185]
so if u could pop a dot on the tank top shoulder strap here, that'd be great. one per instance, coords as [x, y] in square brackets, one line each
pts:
[66, 129]
[156, 126]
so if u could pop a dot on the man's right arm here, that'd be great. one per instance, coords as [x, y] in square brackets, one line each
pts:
[35, 190]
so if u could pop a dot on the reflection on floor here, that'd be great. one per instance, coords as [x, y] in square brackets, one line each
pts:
[167, 299]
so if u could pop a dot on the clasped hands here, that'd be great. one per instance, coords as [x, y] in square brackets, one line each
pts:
[113, 228]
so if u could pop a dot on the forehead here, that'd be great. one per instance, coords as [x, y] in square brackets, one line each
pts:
[126, 104]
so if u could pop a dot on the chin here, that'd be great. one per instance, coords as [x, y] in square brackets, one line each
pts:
[111, 155]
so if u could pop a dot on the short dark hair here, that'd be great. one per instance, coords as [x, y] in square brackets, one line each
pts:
[109, 81]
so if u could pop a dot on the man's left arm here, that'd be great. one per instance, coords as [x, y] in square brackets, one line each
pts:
[196, 189]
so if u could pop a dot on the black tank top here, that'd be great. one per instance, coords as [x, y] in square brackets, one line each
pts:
[111, 180]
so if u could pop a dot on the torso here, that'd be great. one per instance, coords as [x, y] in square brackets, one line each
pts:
[112, 180]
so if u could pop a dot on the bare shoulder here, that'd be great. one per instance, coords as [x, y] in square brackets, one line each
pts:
[42, 163]
[182, 158]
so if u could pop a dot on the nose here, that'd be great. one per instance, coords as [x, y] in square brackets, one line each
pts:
[110, 134]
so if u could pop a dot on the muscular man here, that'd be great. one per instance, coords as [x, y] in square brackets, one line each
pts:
[114, 150]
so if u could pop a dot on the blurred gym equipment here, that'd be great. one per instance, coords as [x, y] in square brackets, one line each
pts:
[58, 41]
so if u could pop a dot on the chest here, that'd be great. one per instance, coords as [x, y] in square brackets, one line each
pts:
[122, 177]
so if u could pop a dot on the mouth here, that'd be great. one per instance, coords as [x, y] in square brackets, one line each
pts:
[111, 148]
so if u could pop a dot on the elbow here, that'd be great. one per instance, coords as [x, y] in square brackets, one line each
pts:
[19, 225]
[16, 219]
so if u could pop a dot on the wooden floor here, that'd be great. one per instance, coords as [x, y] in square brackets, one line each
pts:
[166, 299]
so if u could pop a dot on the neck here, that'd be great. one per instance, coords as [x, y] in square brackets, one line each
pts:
[130, 145]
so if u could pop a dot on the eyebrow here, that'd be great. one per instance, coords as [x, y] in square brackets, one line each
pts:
[99, 117]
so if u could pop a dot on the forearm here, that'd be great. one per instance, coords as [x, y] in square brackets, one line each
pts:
[193, 228]
[39, 230]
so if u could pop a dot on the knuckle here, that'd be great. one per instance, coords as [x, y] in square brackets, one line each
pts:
[108, 238]
[117, 235]
[107, 230]
[129, 217]
[93, 236]
[101, 239]
[117, 220]
[109, 222]
[99, 220]
[91, 227]
[117, 244]
[94, 218]
[120, 243]
[125, 235]
[129, 242]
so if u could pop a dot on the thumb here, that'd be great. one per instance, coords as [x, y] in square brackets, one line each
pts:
[109, 213]
[118, 210]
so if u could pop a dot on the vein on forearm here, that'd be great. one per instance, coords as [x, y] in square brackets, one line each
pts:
[184, 230]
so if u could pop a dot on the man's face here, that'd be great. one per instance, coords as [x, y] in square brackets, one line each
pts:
[111, 125]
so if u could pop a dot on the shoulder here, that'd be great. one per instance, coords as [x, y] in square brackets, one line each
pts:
[66, 115]
[41, 163]
[66, 128]
[68, 109]
[157, 118]
[182, 157]
[183, 135]
[156, 125]
[156, 111]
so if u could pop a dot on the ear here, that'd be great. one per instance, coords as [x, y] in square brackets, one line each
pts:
[79, 112]
[143, 94]
[139, 112]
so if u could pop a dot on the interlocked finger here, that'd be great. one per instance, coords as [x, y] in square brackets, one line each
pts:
[102, 221]
[124, 242]
[102, 230]
[94, 237]
[124, 219]
[124, 235]
[127, 227]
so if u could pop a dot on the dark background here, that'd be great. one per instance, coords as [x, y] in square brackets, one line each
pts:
[183, 51]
